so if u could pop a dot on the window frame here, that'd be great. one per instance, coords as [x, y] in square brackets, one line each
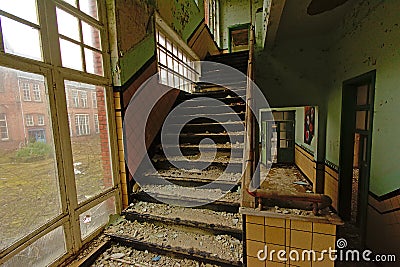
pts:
[5, 127]
[55, 75]
[40, 120]
[29, 120]
[26, 92]
[37, 95]
[179, 58]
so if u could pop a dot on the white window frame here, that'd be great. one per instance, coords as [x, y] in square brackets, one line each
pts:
[84, 99]
[75, 98]
[40, 120]
[82, 124]
[54, 75]
[29, 121]
[36, 93]
[26, 91]
[94, 99]
[177, 63]
[3, 120]
[96, 123]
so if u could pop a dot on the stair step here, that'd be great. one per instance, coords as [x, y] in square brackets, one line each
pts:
[226, 100]
[210, 108]
[234, 167]
[230, 220]
[194, 149]
[218, 205]
[216, 229]
[224, 186]
[210, 127]
[195, 138]
[205, 117]
[186, 253]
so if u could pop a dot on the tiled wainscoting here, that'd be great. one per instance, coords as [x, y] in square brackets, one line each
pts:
[288, 233]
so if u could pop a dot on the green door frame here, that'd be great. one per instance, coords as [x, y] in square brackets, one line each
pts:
[233, 28]
[347, 132]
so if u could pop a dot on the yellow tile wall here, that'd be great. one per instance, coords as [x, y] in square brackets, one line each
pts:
[287, 234]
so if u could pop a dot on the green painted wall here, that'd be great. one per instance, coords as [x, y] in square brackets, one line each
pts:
[182, 15]
[132, 61]
[369, 39]
[234, 12]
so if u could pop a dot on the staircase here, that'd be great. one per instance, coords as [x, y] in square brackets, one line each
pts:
[204, 175]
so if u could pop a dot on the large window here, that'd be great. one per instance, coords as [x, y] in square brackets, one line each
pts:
[176, 68]
[36, 92]
[73, 175]
[211, 12]
[3, 127]
[26, 91]
[82, 124]
[29, 120]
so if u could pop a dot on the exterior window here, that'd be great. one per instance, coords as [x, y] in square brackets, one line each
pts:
[26, 92]
[41, 120]
[94, 100]
[36, 93]
[96, 123]
[29, 120]
[75, 98]
[3, 127]
[82, 124]
[84, 99]
[80, 51]
[45, 238]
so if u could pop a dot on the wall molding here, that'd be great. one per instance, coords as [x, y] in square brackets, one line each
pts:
[332, 165]
[387, 196]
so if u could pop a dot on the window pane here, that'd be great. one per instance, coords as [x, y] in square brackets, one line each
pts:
[20, 39]
[89, 7]
[362, 95]
[28, 12]
[96, 217]
[68, 25]
[94, 62]
[29, 191]
[71, 55]
[361, 119]
[90, 150]
[161, 39]
[91, 36]
[42, 252]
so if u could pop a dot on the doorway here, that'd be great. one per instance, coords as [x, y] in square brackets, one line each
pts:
[239, 37]
[278, 138]
[355, 149]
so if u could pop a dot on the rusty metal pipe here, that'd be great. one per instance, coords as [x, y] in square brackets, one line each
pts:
[319, 201]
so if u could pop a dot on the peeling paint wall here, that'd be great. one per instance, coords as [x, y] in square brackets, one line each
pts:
[135, 27]
[235, 12]
[183, 16]
[369, 39]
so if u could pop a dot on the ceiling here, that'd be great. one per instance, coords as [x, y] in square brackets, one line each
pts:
[295, 22]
